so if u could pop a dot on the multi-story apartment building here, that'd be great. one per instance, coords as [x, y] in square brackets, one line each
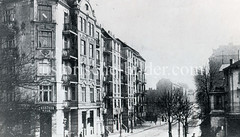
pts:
[64, 40]
[77, 65]
[124, 83]
[112, 80]
[133, 86]
[225, 103]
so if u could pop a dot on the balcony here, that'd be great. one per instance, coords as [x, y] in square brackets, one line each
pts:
[69, 78]
[70, 29]
[138, 69]
[70, 104]
[107, 78]
[98, 62]
[107, 63]
[99, 103]
[124, 80]
[107, 50]
[69, 54]
[98, 82]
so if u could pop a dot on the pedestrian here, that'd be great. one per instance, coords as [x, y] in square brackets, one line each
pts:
[155, 120]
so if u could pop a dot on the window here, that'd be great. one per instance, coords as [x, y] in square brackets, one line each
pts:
[45, 39]
[73, 93]
[98, 37]
[92, 27]
[91, 51]
[98, 112]
[9, 15]
[98, 74]
[83, 94]
[91, 120]
[98, 55]
[91, 73]
[65, 89]
[84, 118]
[89, 29]
[83, 47]
[44, 13]
[81, 23]
[83, 71]
[98, 95]
[86, 6]
[92, 94]
[66, 17]
[66, 45]
[44, 67]
[45, 93]
[84, 25]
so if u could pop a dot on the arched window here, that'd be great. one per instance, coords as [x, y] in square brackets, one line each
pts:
[86, 6]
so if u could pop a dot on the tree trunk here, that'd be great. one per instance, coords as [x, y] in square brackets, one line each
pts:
[178, 127]
[169, 126]
[186, 128]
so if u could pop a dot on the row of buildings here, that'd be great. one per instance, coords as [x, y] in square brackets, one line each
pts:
[88, 81]
[224, 91]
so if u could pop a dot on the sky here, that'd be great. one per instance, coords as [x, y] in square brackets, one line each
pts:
[174, 36]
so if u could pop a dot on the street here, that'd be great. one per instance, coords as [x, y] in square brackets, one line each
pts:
[150, 129]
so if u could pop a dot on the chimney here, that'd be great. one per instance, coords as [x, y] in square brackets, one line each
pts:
[231, 61]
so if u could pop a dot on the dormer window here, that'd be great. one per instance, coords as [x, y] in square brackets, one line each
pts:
[86, 6]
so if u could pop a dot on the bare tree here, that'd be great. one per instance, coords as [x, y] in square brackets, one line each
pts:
[202, 81]
[167, 102]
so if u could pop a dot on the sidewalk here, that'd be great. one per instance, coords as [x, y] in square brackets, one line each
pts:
[139, 128]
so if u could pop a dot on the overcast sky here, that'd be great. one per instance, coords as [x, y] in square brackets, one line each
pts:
[177, 34]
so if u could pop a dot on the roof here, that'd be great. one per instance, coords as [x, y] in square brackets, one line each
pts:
[127, 46]
[106, 34]
[233, 66]
[223, 66]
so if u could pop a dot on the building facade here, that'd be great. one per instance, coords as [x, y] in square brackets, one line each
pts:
[225, 103]
[87, 82]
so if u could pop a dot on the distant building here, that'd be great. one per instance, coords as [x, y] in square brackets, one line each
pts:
[219, 60]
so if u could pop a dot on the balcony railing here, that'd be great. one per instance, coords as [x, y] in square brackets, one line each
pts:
[107, 50]
[70, 29]
[70, 103]
[69, 78]
[69, 54]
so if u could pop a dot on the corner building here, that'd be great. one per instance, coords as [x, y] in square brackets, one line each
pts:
[64, 39]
